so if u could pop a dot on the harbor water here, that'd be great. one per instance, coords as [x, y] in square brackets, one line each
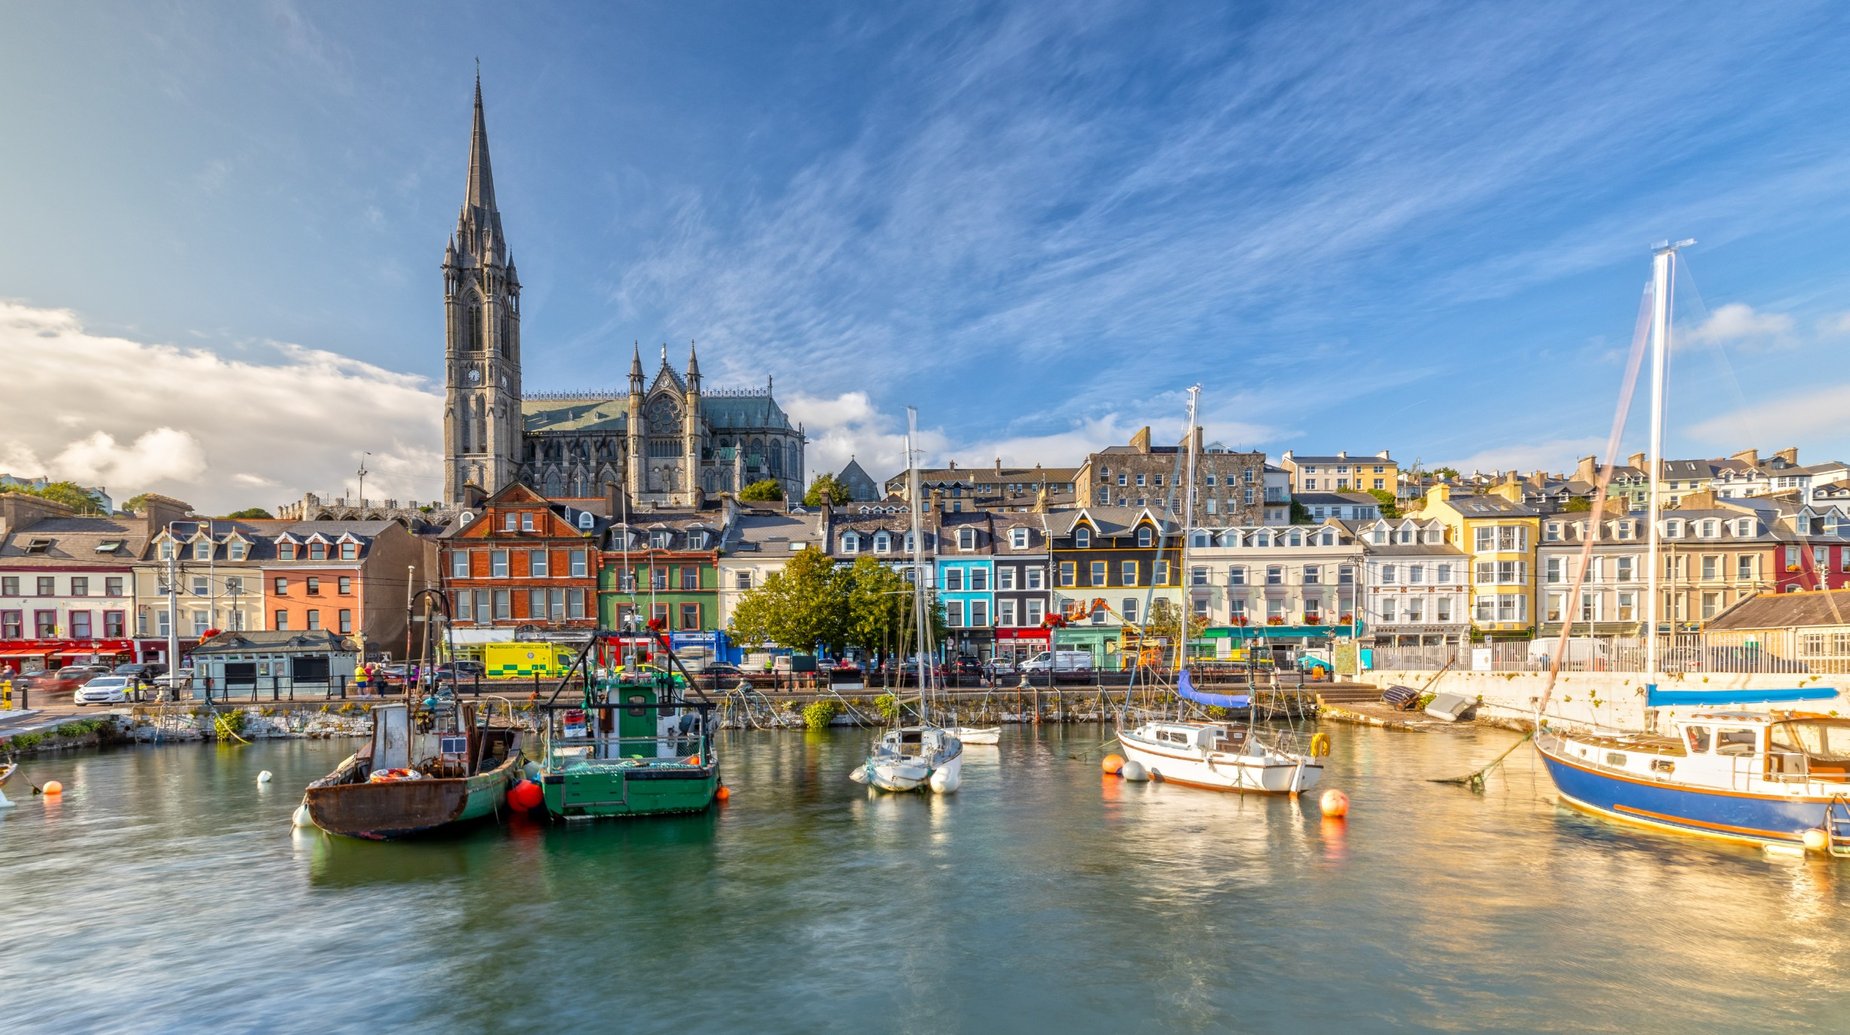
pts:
[166, 891]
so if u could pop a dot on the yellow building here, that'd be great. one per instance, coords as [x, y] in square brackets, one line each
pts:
[1498, 534]
[1342, 472]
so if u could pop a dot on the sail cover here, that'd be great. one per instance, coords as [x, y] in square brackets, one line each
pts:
[1186, 687]
[1655, 698]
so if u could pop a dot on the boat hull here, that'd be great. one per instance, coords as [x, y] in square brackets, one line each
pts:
[613, 791]
[1223, 772]
[986, 736]
[406, 808]
[1727, 815]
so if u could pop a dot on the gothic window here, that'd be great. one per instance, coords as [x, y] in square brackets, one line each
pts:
[475, 328]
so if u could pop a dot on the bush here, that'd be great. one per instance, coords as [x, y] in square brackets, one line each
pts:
[819, 714]
[888, 706]
[80, 727]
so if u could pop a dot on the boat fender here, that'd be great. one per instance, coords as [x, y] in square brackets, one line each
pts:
[300, 817]
[393, 775]
[1320, 745]
[859, 775]
[946, 781]
[1134, 772]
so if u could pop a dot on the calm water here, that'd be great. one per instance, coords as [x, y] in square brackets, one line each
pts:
[167, 892]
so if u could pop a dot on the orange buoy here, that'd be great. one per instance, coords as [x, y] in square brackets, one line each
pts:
[1114, 764]
[1334, 803]
[525, 796]
[724, 793]
[53, 787]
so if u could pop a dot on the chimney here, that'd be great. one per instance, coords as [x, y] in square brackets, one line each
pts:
[158, 510]
[1587, 470]
[472, 496]
[1790, 455]
[729, 512]
[827, 498]
[612, 499]
[1383, 455]
[1342, 454]
[19, 511]
[937, 500]
[998, 465]
[1635, 460]
[1750, 457]
[953, 465]
[1140, 442]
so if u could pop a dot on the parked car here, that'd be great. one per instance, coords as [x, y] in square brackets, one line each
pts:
[104, 690]
[460, 671]
[139, 670]
[965, 670]
[999, 667]
[720, 675]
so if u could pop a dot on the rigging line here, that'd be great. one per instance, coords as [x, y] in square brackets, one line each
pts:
[1732, 378]
[1640, 338]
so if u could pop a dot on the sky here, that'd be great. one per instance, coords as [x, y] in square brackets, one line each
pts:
[1415, 227]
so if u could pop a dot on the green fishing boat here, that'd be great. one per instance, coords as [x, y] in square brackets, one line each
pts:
[632, 745]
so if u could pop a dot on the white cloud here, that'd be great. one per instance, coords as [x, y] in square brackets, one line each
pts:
[1815, 415]
[219, 433]
[1835, 324]
[1555, 456]
[1739, 322]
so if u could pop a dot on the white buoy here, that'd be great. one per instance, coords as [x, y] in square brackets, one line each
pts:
[946, 781]
[532, 769]
[1134, 772]
[859, 775]
[299, 818]
[263, 777]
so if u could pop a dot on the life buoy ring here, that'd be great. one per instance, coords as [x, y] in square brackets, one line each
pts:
[393, 775]
[1320, 745]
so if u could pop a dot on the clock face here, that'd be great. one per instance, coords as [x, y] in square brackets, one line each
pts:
[474, 376]
[504, 380]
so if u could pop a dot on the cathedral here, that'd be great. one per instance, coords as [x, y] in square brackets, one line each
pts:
[669, 442]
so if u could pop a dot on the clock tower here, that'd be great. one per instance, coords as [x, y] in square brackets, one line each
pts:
[482, 424]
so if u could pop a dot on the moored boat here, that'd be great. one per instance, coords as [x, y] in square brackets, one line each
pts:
[407, 782]
[1219, 756]
[630, 747]
[981, 736]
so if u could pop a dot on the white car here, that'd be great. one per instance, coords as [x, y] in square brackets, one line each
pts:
[104, 690]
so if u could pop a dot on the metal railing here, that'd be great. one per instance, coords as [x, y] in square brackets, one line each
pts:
[1763, 653]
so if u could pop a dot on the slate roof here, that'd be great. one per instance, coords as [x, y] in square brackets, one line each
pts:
[1786, 610]
[65, 541]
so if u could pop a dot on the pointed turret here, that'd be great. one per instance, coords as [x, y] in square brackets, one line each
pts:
[693, 369]
[481, 191]
[636, 368]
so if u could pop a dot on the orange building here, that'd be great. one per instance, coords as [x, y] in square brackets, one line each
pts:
[347, 577]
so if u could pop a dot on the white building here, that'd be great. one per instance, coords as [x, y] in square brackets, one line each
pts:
[1414, 583]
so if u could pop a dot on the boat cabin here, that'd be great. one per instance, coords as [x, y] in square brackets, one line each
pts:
[1201, 737]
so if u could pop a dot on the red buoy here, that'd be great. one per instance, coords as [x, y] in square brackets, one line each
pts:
[525, 796]
[724, 793]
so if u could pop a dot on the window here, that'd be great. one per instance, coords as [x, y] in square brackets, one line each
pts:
[658, 578]
[79, 622]
[459, 565]
[313, 586]
[1236, 575]
[317, 551]
[954, 579]
[742, 580]
[555, 605]
[166, 549]
[115, 625]
[1389, 575]
[1128, 609]
[850, 542]
[1198, 575]
[883, 542]
[80, 586]
[9, 586]
[1018, 538]
[1145, 536]
[285, 550]
[1066, 573]
[1005, 613]
[1159, 574]
[504, 605]
[279, 621]
[1098, 573]
[282, 586]
[979, 614]
[349, 551]
[202, 549]
[236, 550]
[509, 522]
[581, 564]
[1442, 609]
[160, 621]
[1313, 575]
[465, 605]
[979, 579]
[345, 585]
[660, 540]
[536, 604]
[1005, 578]
[1127, 573]
[1082, 538]
[690, 616]
[48, 586]
[537, 564]
[346, 621]
[203, 587]
[497, 563]
[1274, 574]
[1711, 569]
[1031, 578]
[1033, 612]
[1140, 479]
[966, 538]
[526, 521]
[575, 603]
[954, 613]
[586, 522]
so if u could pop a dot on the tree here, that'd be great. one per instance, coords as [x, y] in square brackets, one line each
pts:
[70, 494]
[1164, 621]
[134, 503]
[768, 490]
[1300, 515]
[877, 599]
[838, 492]
[1450, 474]
[1577, 505]
[799, 607]
[1390, 507]
[250, 513]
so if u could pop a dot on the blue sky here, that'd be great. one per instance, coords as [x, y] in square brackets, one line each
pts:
[1358, 226]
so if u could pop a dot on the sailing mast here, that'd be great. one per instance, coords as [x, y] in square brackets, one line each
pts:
[920, 621]
[1663, 269]
[1188, 526]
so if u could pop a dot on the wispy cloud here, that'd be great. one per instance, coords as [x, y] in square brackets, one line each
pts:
[1738, 322]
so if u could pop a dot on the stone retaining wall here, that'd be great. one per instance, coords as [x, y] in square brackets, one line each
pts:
[1614, 700]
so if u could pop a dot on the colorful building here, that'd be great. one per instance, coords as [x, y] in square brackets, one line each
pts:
[1500, 536]
[520, 566]
[353, 578]
[1111, 565]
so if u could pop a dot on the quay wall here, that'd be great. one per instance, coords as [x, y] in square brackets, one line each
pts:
[1613, 700]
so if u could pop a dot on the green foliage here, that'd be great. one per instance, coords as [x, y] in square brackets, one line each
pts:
[231, 721]
[770, 489]
[1300, 515]
[134, 503]
[81, 727]
[1450, 474]
[798, 607]
[1390, 507]
[1164, 621]
[250, 513]
[888, 706]
[26, 741]
[70, 494]
[1577, 505]
[838, 492]
[818, 714]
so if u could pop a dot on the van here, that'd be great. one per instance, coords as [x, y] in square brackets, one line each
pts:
[1059, 663]
[1583, 652]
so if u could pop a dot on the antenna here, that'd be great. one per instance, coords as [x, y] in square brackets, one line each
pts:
[362, 473]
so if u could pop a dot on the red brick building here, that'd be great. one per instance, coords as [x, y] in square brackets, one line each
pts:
[519, 560]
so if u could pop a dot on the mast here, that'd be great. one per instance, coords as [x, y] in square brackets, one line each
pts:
[1188, 526]
[920, 621]
[1663, 268]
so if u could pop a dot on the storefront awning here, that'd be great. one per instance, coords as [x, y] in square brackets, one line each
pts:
[1283, 632]
[38, 653]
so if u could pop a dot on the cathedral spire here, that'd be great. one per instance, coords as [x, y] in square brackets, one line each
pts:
[636, 367]
[693, 365]
[479, 198]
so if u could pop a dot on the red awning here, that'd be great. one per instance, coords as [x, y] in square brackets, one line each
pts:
[23, 653]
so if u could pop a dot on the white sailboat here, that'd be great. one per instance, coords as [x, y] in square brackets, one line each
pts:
[1220, 756]
[926, 756]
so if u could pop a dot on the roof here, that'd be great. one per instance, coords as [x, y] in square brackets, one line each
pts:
[1786, 611]
[1335, 499]
[275, 640]
[65, 541]
[1489, 506]
[765, 533]
[1363, 461]
[1111, 521]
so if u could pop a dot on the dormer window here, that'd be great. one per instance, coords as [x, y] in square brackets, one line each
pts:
[1673, 528]
[1710, 528]
[1380, 537]
[966, 538]
[658, 540]
[317, 551]
[1082, 538]
[883, 542]
[349, 550]
[285, 551]
[202, 550]
[586, 521]
[1018, 538]
[850, 542]
[236, 550]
